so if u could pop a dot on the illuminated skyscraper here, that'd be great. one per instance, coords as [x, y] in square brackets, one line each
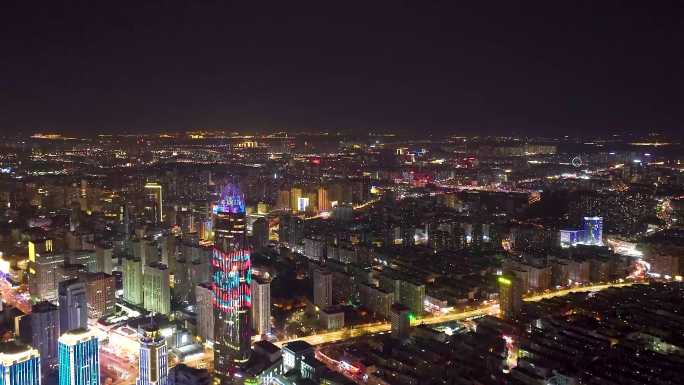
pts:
[73, 305]
[43, 267]
[261, 306]
[19, 364]
[153, 365]
[132, 280]
[400, 317]
[79, 358]
[324, 199]
[155, 190]
[231, 285]
[322, 288]
[592, 228]
[40, 329]
[510, 296]
[156, 290]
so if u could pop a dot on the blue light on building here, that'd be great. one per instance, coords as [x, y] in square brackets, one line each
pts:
[79, 358]
[154, 365]
[592, 228]
[19, 364]
[591, 233]
[231, 201]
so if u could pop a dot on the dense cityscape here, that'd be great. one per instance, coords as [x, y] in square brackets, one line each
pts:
[341, 193]
[223, 257]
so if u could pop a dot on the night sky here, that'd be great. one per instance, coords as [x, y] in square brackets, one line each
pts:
[491, 67]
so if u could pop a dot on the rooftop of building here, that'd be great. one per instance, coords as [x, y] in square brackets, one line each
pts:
[298, 346]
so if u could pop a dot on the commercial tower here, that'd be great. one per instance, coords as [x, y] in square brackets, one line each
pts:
[231, 285]
[73, 305]
[153, 366]
[510, 296]
[79, 358]
[40, 329]
[400, 317]
[100, 288]
[132, 280]
[19, 364]
[322, 288]
[591, 233]
[156, 290]
[261, 306]
[44, 270]
[593, 230]
[155, 192]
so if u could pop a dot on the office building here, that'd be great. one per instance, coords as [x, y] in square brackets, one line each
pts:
[322, 288]
[204, 309]
[104, 258]
[377, 301]
[153, 365]
[154, 191]
[40, 329]
[261, 306]
[324, 199]
[156, 289]
[591, 233]
[295, 198]
[232, 286]
[79, 358]
[100, 288]
[400, 317]
[132, 280]
[331, 317]
[73, 305]
[259, 233]
[19, 364]
[593, 230]
[44, 270]
[510, 296]
[294, 353]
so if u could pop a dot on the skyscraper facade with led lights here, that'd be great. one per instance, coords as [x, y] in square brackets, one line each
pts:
[153, 366]
[19, 364]
[79, 358]
[231, 286]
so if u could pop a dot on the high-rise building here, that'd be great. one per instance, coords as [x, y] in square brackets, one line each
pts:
[132, 280]
[510, 296]
[100, 288]
[104, 258]
[73, 305]
[400, 316]
[295, 198]
[294, 353]
[204, 309]
[155, 192]
[322, 288]
[153, 367]
[231, 284]
[79, 358]
[40, 329]
[156, 288]
[591, 233]
[44, 270]
[593, 230]
[324, 199]
[259, 238]
[19, 364]
[261, 306]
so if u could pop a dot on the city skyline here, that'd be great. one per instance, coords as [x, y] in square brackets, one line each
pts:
[229, 193]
